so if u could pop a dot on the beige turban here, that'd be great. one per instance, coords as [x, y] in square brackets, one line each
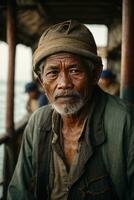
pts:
[69, 36]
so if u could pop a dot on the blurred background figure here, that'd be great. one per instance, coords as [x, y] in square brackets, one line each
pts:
[108, 82]
[36, 98]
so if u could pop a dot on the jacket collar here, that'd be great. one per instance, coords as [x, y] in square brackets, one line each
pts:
[95, 126]
[94, 133]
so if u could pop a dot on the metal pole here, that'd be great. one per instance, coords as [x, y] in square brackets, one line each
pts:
[127, 62]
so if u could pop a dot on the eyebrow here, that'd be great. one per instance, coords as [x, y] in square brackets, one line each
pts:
[74, 65]
[51, 67]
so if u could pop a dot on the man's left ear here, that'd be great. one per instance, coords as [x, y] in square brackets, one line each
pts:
[96, 75]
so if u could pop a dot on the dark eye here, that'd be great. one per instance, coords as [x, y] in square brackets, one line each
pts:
[52, 74]
[74, 71]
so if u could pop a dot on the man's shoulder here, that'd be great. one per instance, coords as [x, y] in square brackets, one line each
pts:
[119, 104]
[44, 109]
[114, 103]
[119, 108]
[42, 115]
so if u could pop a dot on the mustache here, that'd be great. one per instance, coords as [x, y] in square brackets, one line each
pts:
[67, 93]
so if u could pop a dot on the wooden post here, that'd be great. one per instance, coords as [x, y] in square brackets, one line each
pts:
[11, 70]
[127, 63]
[9, 151]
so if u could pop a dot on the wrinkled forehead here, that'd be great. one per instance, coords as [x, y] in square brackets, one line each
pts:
[67, 58]
[63, 57]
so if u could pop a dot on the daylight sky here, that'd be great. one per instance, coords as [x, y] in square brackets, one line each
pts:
[24, 55]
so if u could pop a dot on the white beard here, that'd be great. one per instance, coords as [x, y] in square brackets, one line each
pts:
[69, 109]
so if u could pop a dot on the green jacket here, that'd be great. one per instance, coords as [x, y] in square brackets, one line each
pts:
[109, 159]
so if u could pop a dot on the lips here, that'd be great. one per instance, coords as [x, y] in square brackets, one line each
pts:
[64, 98]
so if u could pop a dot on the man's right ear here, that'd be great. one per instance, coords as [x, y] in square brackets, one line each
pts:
[96, 74]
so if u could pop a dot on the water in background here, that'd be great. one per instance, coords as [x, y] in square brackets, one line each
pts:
[20, 111]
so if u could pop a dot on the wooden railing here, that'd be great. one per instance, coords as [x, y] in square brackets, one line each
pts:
[8, 140]
[19, 127]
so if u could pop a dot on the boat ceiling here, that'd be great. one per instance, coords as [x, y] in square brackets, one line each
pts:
[32, 17]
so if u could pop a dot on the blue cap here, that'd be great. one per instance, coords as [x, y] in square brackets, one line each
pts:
[31, 86]
[107, 74]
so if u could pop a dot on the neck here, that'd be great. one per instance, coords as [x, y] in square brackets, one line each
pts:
[75, 120]
[71, 131]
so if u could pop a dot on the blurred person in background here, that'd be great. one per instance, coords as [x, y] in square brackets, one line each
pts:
[36, 98]
[109, 83]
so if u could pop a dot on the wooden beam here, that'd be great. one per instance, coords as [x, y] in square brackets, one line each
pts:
[127, 64]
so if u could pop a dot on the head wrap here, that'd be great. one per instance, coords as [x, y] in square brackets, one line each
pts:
[69, 36]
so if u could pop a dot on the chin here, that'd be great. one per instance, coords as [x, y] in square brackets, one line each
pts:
[68, 109]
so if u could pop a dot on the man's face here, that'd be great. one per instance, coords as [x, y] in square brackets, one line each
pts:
[66, 83]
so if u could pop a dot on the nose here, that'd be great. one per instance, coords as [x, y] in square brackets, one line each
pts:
[64, 81]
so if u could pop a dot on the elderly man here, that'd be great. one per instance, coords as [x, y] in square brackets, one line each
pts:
[82, 145]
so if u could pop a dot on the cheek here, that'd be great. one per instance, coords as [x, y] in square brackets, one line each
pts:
[85, 88]
[49, 90]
